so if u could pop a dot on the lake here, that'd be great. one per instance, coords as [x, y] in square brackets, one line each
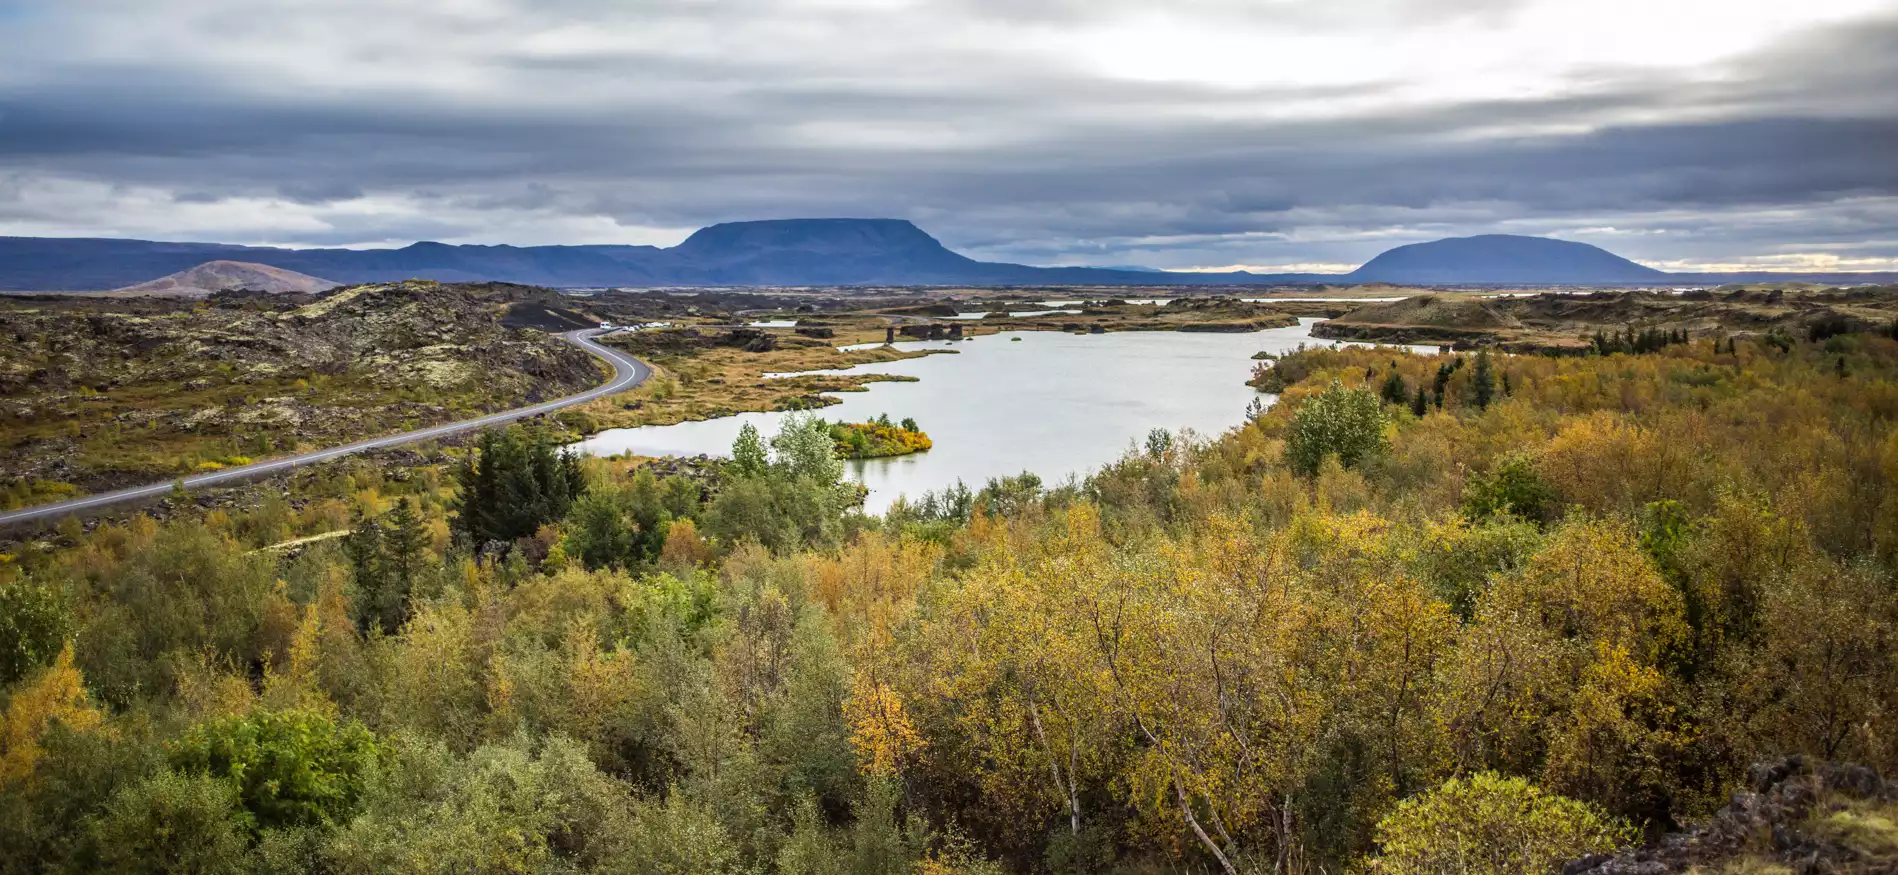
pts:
[1053, 403]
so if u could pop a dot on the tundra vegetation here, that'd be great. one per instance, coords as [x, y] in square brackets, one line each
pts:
[96, 394]
[1485, 631]
[878, 438]
[1607, 322]
[705, 373]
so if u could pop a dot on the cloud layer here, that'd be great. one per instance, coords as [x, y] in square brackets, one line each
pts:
[1684, 133]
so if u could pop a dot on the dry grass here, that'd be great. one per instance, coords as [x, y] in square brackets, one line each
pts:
[707, 384]
[1871, 828]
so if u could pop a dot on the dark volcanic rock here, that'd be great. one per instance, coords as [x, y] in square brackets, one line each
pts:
[1767, 820]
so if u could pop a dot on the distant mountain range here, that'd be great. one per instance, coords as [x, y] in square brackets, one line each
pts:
[808, 252]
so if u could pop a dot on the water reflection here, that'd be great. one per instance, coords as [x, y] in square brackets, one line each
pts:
[1053, 403]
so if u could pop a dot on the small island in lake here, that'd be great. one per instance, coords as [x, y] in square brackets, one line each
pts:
[878, 438]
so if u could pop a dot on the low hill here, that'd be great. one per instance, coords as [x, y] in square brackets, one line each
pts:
[1463, 312]
[212, 277]
[1503, 259]
[1568, 322]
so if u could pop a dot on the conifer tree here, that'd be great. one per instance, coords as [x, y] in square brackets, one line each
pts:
[1394, 391]
[516, 482]
[1482, 381]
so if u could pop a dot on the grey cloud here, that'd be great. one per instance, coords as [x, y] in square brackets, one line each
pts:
[1018, 160]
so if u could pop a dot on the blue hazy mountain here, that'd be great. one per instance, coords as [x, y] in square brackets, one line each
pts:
[785, 252]
[800, 252]
[1503, 259]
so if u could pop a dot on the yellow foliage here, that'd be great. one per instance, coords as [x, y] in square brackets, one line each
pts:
[874, 579]
[295, 685]
[880, 728]
[209, 691]
[684, 548]
[1591, 583]
[57, 693]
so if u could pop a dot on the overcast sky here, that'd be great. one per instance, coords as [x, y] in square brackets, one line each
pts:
[1276, 134]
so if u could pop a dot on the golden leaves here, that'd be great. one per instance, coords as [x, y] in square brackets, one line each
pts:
[56, 694]
[880, 728]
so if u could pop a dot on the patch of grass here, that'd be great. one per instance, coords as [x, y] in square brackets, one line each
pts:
[710, 383]
[1871, 828]
[1745, 866]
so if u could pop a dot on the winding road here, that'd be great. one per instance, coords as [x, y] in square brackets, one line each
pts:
[628, 372]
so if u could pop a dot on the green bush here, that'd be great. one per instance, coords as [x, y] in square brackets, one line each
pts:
[504, 808]
[291, 769]
[1513, 487]
[1347, 423]
[679, 837]
[1493, 825]
[169, 824]
[34, 624]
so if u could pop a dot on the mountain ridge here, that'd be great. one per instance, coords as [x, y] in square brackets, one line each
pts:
[808, 252]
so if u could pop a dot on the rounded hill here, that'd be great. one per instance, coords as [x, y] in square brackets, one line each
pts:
[1502, 259]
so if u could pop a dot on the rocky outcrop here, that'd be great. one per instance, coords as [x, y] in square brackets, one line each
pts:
[260, 376]
[1779, 819]
[1563, 322]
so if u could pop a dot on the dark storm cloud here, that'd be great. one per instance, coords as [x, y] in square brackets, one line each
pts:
[1016, 159]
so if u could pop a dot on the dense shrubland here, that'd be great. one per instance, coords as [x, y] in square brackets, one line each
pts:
[1555, 604]
[879, 438]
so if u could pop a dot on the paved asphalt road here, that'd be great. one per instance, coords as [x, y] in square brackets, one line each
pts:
[627, 373]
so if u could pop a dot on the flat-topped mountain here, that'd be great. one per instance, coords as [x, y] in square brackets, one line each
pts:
[1503, 259]
[212, 277]
[826, 251]
[811, 252]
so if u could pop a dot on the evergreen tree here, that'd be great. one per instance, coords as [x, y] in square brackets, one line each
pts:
[363, 546]
[1420, 404]
[1482, 381]
[597, 533]
[386, 553]
[516, 482]
[403, 549]
[1394, 391]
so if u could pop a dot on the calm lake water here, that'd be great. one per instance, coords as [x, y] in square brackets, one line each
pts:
[1052, 403]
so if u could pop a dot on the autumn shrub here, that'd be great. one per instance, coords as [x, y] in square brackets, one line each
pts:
[1488, 824]
[1513, 487]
